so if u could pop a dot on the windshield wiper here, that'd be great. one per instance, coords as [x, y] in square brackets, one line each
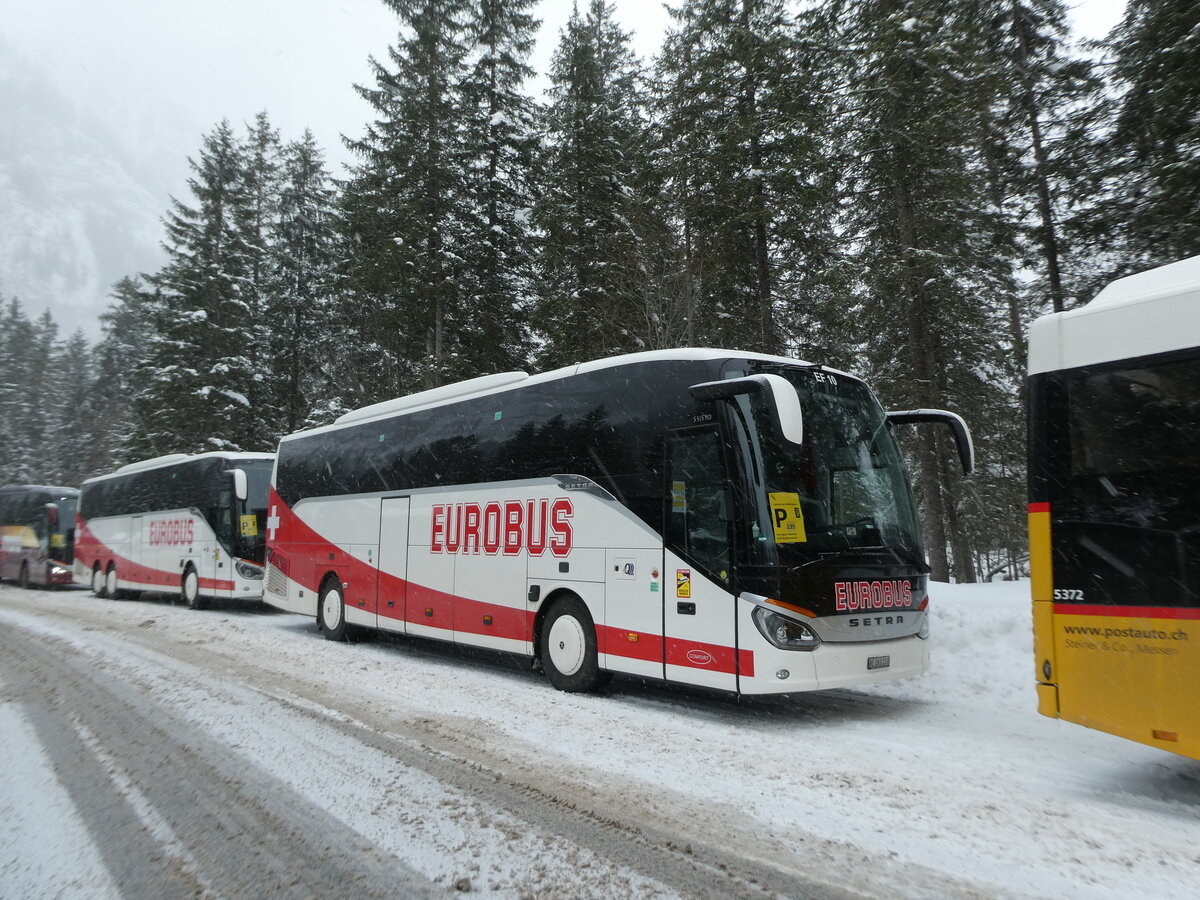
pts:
[919, 564]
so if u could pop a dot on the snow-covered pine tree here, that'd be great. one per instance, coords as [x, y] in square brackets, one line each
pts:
[256, 220]
[196, 380]
[1149, 153]
[1033, 166]
[28, 400]
[592, 280]
[500, 143]
[1033, 180]
[303, 338]
[70, 437]
[920, 90]
[403, 212]
[15, 336]
[743, 118]
[119, 362]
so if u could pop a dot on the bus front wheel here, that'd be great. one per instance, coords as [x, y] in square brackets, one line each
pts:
[568, 647]
[99, 586]
[331, 611]
[189, 589]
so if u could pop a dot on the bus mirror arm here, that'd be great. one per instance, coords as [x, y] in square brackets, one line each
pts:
[785, 403]
[962, 434]
[240, 489]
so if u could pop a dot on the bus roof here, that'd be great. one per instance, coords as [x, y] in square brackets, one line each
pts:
[505, 381]
[175, 458]
[1156, 311]
[43, 488]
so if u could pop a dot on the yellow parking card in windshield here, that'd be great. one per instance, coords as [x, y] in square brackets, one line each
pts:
[787, 518]
[249, 526]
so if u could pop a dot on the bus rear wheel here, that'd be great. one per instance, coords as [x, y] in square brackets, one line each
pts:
[567, 644]
[99, 586]
[189, 589]
[331, 611]
[110, 583]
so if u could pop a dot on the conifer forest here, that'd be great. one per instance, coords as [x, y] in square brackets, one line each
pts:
[891, 187]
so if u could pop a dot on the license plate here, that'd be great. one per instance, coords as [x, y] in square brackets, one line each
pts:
[878, 662]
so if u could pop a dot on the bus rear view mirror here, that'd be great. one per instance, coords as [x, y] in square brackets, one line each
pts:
[785, 403]
[52, 514]
[962, 434]
[240, 489]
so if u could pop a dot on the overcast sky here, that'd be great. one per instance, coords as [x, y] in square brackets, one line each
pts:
[165, 71]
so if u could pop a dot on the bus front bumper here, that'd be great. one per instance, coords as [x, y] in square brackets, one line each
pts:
[833, 665]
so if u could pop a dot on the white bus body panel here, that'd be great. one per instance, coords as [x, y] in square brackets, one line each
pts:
[655, 615]
[152, 550]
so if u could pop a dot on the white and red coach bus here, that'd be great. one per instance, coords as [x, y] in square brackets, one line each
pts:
[37, 534]
[188, 524]
[708, 517]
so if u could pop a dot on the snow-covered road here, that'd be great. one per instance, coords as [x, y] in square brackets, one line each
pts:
[150, 750]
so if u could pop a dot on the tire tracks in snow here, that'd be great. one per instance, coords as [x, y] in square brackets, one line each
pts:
[168, 809]
[693, 848]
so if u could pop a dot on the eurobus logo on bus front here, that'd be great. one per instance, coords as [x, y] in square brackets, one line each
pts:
[506, 527]
[850, 596]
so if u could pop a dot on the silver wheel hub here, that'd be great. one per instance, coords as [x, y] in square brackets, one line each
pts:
[331, 610]
[110, 580]
[190, 585]
[567, 644]
[97, 581]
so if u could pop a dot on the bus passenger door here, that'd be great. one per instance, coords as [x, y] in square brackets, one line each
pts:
[393, 563]
[137, 548]
[699, 615]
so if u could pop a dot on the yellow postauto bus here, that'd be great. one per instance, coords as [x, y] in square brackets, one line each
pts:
[1114, 512]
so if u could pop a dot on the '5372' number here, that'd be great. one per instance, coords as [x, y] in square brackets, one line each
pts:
[1067, 595]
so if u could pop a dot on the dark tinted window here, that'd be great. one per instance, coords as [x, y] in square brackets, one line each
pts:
[1113, 449]
[187, 485]
[607, 425]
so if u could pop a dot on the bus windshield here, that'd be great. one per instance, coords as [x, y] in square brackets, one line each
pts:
[62, 540]
[847, 479]
[250, 519]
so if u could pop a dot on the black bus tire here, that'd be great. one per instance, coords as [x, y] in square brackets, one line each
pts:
[111, 582]
[331, 610]
[189, 589]
[23, 580]
[99, 587]
[567, 646]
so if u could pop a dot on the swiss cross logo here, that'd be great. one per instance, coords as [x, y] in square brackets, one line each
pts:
[273, 523]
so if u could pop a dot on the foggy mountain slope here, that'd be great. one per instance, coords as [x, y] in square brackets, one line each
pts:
[76, 213]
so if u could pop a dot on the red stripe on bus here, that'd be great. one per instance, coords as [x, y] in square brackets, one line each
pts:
[710, 657]
[1127, 612]
[630, 644]
[138, 573]
[457, 614]
[1039, 507]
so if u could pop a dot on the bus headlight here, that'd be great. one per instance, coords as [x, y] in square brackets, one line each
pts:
[254, 573]
[784, 633]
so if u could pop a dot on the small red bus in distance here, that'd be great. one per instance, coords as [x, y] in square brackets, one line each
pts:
[192, 525]
[37, 535]
[706, 517]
